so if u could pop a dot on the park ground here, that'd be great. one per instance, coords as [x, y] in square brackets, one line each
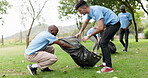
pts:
[133, 64]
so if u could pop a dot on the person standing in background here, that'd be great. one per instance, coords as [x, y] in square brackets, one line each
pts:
[126, 21]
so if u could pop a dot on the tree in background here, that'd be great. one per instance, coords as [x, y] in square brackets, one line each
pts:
[132, 6]
[67, 11]
[4, 5]
[142, 6]
[139, 15]
[67, 8]
[33, 8]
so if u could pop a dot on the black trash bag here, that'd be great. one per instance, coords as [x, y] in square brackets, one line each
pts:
[81, 56]
[112, 47]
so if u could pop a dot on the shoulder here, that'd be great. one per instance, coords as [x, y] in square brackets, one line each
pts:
[94, 8]
[120, 13]
[44, 33]
[128, 13]
[47, 34]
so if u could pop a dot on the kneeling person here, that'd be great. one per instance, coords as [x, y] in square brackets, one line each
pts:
[94, 39]
[41, 52]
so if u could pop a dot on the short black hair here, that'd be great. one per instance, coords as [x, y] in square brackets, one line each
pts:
[80, 3]
[122, 7]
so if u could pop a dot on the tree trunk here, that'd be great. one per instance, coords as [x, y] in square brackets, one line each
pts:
[2, 40]
[21, 36]
[28, 35]
[133, 16]
[135, 25]
[34, 17]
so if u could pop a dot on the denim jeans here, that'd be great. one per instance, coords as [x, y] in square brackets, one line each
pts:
[107, 35]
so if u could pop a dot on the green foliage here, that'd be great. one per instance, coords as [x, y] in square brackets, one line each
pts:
[146, 33]
[145, 22]
[138, 17]
[66, 8]
[114, 5]
[4, 5]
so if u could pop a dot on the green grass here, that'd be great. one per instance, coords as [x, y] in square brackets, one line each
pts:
[132, 64]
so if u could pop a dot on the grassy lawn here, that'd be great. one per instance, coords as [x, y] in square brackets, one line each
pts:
[133, 64]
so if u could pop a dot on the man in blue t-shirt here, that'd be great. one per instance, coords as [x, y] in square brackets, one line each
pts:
[94, 39]
[108, 23]
[126, 21]
[41, 52]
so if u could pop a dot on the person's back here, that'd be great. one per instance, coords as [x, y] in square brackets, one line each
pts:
[97, 12]
[40, 42]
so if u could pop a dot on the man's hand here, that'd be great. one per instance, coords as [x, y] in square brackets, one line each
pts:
[62, 44]
[85, 38]
[126, 28]
[78, 35]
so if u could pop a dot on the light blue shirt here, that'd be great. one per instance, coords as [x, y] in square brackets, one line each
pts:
[99, 12]
[40, 42]
[91, 30]
[124, 19]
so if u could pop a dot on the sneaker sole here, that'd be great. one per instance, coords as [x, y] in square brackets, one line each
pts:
[104, 72]
[111, 71]
[29, 70]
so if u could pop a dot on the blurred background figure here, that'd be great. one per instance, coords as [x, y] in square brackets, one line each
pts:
[94, 39]
[126, 21]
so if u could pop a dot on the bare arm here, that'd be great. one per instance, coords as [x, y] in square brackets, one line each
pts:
[62, 44]
[99, 29]
[83, 27]
[99, 38]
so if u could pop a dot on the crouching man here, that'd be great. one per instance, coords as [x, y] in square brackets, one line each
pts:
[41, 52]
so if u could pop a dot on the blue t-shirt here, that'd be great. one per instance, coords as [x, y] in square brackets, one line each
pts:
[91, 30]
[99, 12]
[40, 42]
[124, 19]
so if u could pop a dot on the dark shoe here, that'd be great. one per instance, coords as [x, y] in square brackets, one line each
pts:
[124, 50]
[46, 70]
[32, 70]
